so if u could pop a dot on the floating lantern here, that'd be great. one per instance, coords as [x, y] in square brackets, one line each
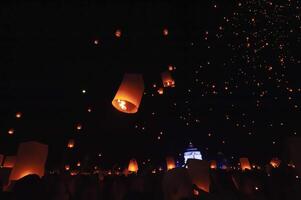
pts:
[9, 161]
[67, 167]
[133, 166]
[79, 126]
[71, 143]
[129, 94]
[171, 68]
[165, 32]
[31, 159]
[18, 115]
[78, 164]
[167, 79]
[11, 131]
[275, 162]
[199, 173]
[170, 163]
[213, 164]
[160, 91]
[118, 33]
[245, 164]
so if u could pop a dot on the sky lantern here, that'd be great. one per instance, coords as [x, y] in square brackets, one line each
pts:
[78, 164]
[275, 162]
[67, 167]
[18, 115]
[133, 166]
[170, 163]
[213, 164]
[11, 131]
[118, 33]
[167, 79]
[71, 143]
[79, 126]
[245, 164]
[199, 173]
[171, 68]
[129, 94]
[160, 91]
[9, 161]
[31, 159]
[165, 32]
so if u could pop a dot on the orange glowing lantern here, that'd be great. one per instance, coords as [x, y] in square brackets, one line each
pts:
[133, 166]
[79, 126]
[167, 79]
[160, 91]
[199, 173]
[275, 162]
[11, 131]
[213, 164]
[67, 167]
[170, 163]
[118, 33]
[129, 94]
[31, 159]
[245, 164]
[78, 164]
[9, 161]
[71, 143]
[165, 32]
[18, 115]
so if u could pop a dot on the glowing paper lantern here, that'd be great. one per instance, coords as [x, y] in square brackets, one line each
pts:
[71, 143]
[9, 161]
[275, 162]
[245, 164]
[171, 68]
[67, 167]
[118, 33]
[165, 32]
[133, 166]
[167, 79]
[170, 163]
[31, 159]
[79, 126]
[18, 115]
[78, 164]
[160, 91]
[199, 173]
[213, 164]
[129, 94]
[11, 131]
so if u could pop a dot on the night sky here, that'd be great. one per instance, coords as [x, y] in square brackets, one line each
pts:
[236, 73]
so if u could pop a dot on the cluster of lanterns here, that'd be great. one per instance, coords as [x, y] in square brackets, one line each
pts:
[130, 92]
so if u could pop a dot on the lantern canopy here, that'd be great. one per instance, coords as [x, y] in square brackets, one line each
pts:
[245, 164]
[129, 94]
[31, 159]
[170, 163]
[167, 79]
[133, 166]
[275, 162]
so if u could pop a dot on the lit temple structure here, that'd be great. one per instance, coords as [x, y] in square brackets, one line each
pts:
[192, 153]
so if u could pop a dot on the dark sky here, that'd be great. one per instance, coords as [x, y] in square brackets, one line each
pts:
[237, 86]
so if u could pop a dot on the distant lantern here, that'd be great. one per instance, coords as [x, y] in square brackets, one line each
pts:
[170, 163]
[78, 164]
[275, 162]
[11, 131]
[213, 164]
[133, 166]
[245, 164]
[79, 126]
[167, 79]
[129, 94]
[67, 167]
[31, 159]
[18, 115]
[96, 42]
[171, 68]
[118, 33]
[71, 143]
[9, 161]
[165, 32]
[160, 91]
